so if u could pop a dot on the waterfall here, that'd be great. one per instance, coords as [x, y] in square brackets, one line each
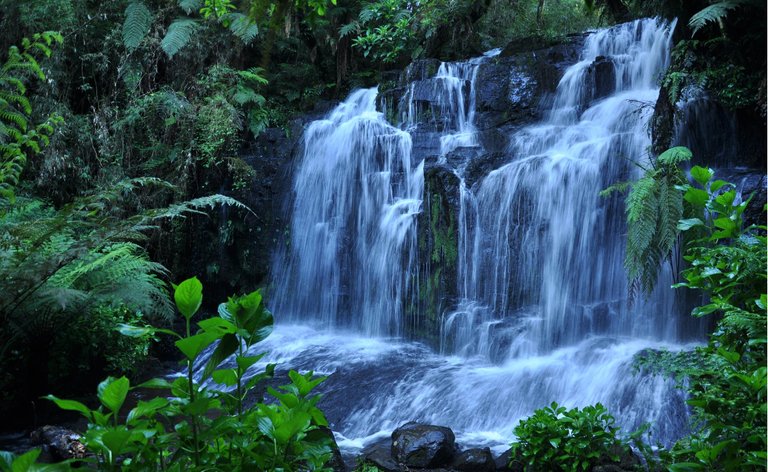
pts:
[539, 245]
[352, 240]
[542, 312]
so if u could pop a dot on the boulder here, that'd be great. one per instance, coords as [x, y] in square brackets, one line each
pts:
[423, 446]
[62, 443]
[379, 454]
[475, 460]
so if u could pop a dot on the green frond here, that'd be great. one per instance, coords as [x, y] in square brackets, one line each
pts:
[8, 97]
[642, 217]
[138, 20]
[190, 6]
[178, 35]
[15, 118]
[711, 14]
[737, 319]
[242, 26]
[675, 156]
[349, 28]
[254, 74]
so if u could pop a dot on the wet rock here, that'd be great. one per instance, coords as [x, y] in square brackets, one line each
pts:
[479, 167]
[507, 462]
[62, 443]
[379, 454]
[423, 446]
[475, 460]
[603, 77]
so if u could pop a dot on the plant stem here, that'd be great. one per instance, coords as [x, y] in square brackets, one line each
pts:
[193, 418]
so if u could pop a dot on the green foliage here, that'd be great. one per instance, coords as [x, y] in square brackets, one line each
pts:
[18, 138]
[179, 34]
[726, 381]
[557, 439]
[209, 427]
[717, 12]
[138, 20]
[654, 205]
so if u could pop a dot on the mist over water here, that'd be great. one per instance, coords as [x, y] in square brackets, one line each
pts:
[542, 313]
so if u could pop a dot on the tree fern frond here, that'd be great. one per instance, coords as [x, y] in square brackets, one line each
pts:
[675, 156]
[138, 20]
[178, 35]
[242, 26]
[349, 28]
[190, 6]
[712, 13]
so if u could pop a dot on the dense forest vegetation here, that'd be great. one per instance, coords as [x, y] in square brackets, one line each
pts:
[124, 126]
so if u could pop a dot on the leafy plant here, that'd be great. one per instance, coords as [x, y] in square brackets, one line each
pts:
[209, 427]
[654, 205]
[557, 439]
[18, 137]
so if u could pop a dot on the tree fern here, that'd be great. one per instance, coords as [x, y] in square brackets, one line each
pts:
[654, 206]
[138, 20]
[178, 36]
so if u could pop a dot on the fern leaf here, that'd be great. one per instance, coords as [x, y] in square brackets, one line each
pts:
[241, 26]
[178, 35]
[138, 20]
[642, 217]
[190, 6]
[712, 13]
[349, 28]
[675, 156]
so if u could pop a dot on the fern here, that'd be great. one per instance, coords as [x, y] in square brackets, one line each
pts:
[241, 26]
[138, 20]
[349, 28]
[190, 6]
[712, 14]
[654, 206]
[178, 36]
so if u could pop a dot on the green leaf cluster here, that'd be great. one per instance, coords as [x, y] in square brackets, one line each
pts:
[555, 438]
[204, 425]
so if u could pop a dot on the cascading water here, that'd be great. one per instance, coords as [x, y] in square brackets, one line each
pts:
[353, 233]
[542, 313]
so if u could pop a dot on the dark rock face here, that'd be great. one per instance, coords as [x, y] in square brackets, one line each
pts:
[438, 240]
[603, 77]
[423, 446]
[380, 455]
[513, 87]
[475, 460]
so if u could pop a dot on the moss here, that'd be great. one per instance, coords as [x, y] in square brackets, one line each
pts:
[445, 244]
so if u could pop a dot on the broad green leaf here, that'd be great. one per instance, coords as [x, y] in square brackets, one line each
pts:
[155, 383]
[70, 405]
[192, 346]
[112, 392]
[188, 296]
[26, 461]
[718, 184]
[226, 347]
[217, 325]
[115, 440]
[142, 331]
[244, 362]
[226, 377]
[146, 409]
[696, 197]
[684, 225]
[701, 175]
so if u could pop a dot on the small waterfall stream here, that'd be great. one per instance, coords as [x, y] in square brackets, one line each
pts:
[542, 313]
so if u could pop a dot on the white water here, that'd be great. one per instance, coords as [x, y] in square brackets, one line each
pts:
[543, 313]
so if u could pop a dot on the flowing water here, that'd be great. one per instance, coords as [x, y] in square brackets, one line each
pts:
[542, 313]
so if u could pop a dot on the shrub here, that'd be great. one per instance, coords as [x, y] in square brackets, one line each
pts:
[557, 439]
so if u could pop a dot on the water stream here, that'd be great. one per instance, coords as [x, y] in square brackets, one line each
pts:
[543, 312]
